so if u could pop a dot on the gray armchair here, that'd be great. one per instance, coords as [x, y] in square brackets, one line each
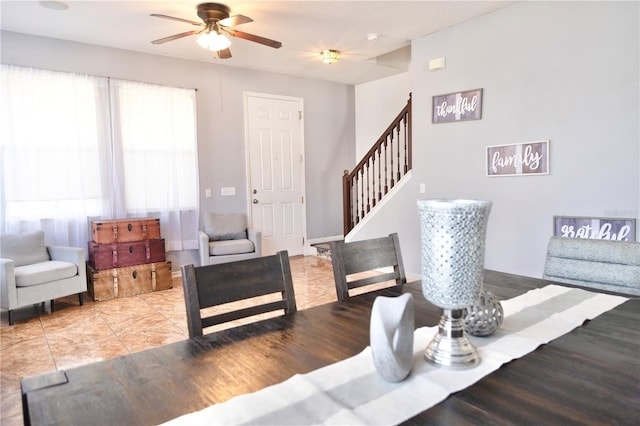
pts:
[32, 273]
[226, 238]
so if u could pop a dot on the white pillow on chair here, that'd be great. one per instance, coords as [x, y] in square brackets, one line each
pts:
[225, 226]
[25, 248]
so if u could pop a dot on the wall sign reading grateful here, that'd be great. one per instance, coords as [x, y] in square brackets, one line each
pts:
[618, 229]
[530, 158]
[458, 106]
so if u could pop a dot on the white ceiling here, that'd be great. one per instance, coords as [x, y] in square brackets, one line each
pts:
[305, 28]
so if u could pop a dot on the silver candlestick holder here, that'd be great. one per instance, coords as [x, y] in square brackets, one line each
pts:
[453, 243]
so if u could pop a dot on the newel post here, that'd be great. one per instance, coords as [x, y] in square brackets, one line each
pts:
[409, 133]
[346, 203]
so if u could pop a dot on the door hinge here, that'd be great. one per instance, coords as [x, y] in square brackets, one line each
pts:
[302, 199]
[302, 240]
[299, 115]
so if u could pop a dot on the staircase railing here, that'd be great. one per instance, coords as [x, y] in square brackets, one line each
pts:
[388, 160]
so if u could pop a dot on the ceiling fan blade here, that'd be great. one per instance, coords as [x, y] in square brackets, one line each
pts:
[173, 18]
[254, 38]
[224, 53]
[235, 20]
[174, 37]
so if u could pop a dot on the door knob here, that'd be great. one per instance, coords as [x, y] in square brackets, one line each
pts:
[255, 201]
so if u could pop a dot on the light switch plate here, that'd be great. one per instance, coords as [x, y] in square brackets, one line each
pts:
[227, 191]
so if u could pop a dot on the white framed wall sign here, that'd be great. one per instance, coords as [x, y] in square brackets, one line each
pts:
[459, 106]
[599, 228]
[520, 159]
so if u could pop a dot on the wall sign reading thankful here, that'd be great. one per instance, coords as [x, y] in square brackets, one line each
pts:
[458, 106]
[531, 158]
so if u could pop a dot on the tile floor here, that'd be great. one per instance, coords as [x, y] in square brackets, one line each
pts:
[75, 335]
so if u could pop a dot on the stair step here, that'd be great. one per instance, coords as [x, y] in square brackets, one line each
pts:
[323, 249]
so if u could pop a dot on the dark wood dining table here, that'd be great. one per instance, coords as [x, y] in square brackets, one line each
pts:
[588, 376]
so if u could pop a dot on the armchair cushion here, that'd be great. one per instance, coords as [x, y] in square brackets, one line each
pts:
[223, 248]
[24, 249]
[44, 272]
[225, 226]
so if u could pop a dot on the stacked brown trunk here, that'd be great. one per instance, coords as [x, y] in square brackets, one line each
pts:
[126, 257]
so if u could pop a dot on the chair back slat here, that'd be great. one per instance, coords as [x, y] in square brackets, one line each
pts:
[243, 313]
[374, 280]
[601, 264]
[213, 285]
[237, 281]
[369, 254]
[366, 255]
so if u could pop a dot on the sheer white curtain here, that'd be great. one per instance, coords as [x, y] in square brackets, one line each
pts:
[54, 138]
[155, 147]
[75, 148]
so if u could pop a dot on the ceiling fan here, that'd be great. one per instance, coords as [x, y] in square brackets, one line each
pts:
[216, 20]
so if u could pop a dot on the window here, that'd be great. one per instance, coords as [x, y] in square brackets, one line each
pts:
[50, 144]
[157, 134]
[77, 147]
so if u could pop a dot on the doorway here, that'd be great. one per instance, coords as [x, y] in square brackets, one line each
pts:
[275, 171]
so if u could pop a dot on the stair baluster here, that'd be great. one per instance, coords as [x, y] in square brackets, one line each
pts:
[380, 175]
[362, 193]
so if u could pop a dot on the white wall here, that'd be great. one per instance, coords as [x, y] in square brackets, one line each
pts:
[329, 117]
[563, 71]
[377, 104]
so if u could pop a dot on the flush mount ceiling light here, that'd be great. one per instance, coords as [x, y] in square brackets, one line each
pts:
[55, 5]
[330, 56]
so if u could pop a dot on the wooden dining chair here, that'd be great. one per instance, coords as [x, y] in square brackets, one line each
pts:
[358, 257]
[214, 285]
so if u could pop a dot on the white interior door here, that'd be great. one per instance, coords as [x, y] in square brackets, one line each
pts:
[276, 171]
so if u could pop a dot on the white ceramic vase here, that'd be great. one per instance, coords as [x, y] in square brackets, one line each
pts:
[391, 336]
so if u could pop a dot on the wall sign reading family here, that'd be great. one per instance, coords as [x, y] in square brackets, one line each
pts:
[458, 106]
[619, 229]
[531, 158]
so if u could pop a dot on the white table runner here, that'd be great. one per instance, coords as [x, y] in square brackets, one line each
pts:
[352, 392]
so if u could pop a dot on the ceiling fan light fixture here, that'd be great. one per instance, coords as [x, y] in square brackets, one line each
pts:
[330, 56]
[213, 41]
